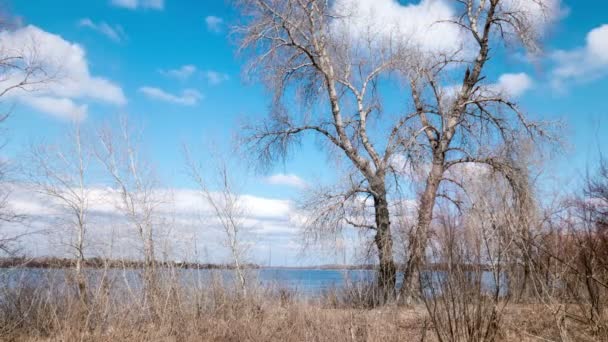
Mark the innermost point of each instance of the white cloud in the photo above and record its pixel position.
(514, 85)
(135, 4)
(584, 63)
(424, 24)
(290, 180)
(215, 77)
(597, 44)
(540, 14)
(509, 86)
(413, 25)
(182, 73)
(187, 223)
(188, 97)
(114, 32)
(214, 24)
(62, 108)
(65, 63)
(185, 72)
(187, 219)
(466, 173)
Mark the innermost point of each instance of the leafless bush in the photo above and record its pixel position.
(363, 294)
(580, 250)
(465, 292)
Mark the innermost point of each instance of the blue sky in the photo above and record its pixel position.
(155, 42)
(181, 79)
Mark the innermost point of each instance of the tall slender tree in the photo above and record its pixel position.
(61, 172)
(135, 190)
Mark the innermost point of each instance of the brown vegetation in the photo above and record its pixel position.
(211, 311)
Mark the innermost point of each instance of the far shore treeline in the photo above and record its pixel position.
(54, 262)
(100, 263)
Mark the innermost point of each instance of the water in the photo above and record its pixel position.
(306, 282)
(312, 281)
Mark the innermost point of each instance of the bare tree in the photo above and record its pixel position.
(61, 173)
(21, 70)
(473, 122)
(296, 46)
(135, 189)
(228, 208)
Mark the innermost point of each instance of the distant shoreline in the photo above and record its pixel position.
(99, 263)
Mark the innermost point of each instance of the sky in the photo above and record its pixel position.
(172, 67)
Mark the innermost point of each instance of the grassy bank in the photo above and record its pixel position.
(211, 310)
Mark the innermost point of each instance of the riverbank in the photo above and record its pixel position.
(50, 308)
(255, 319)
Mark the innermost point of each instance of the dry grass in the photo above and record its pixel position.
(211, 311)
(209, 314)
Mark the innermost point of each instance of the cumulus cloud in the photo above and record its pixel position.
(187, 71)
(188, 97)
(215, 77)
(585, 63)
(182, 73)
(290, 180)
(135, 4)
(63, 108)
(185, 222)
(186, 215)
(514, 85)
(509, 86)
(67, 66)
(414, 25)
(114, 32)
(540, 14)
(424, 24)
(214, 24)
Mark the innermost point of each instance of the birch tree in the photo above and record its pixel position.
(228, 208)
(61, 173)
(135, 189)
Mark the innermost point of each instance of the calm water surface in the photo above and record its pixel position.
(308, 282)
